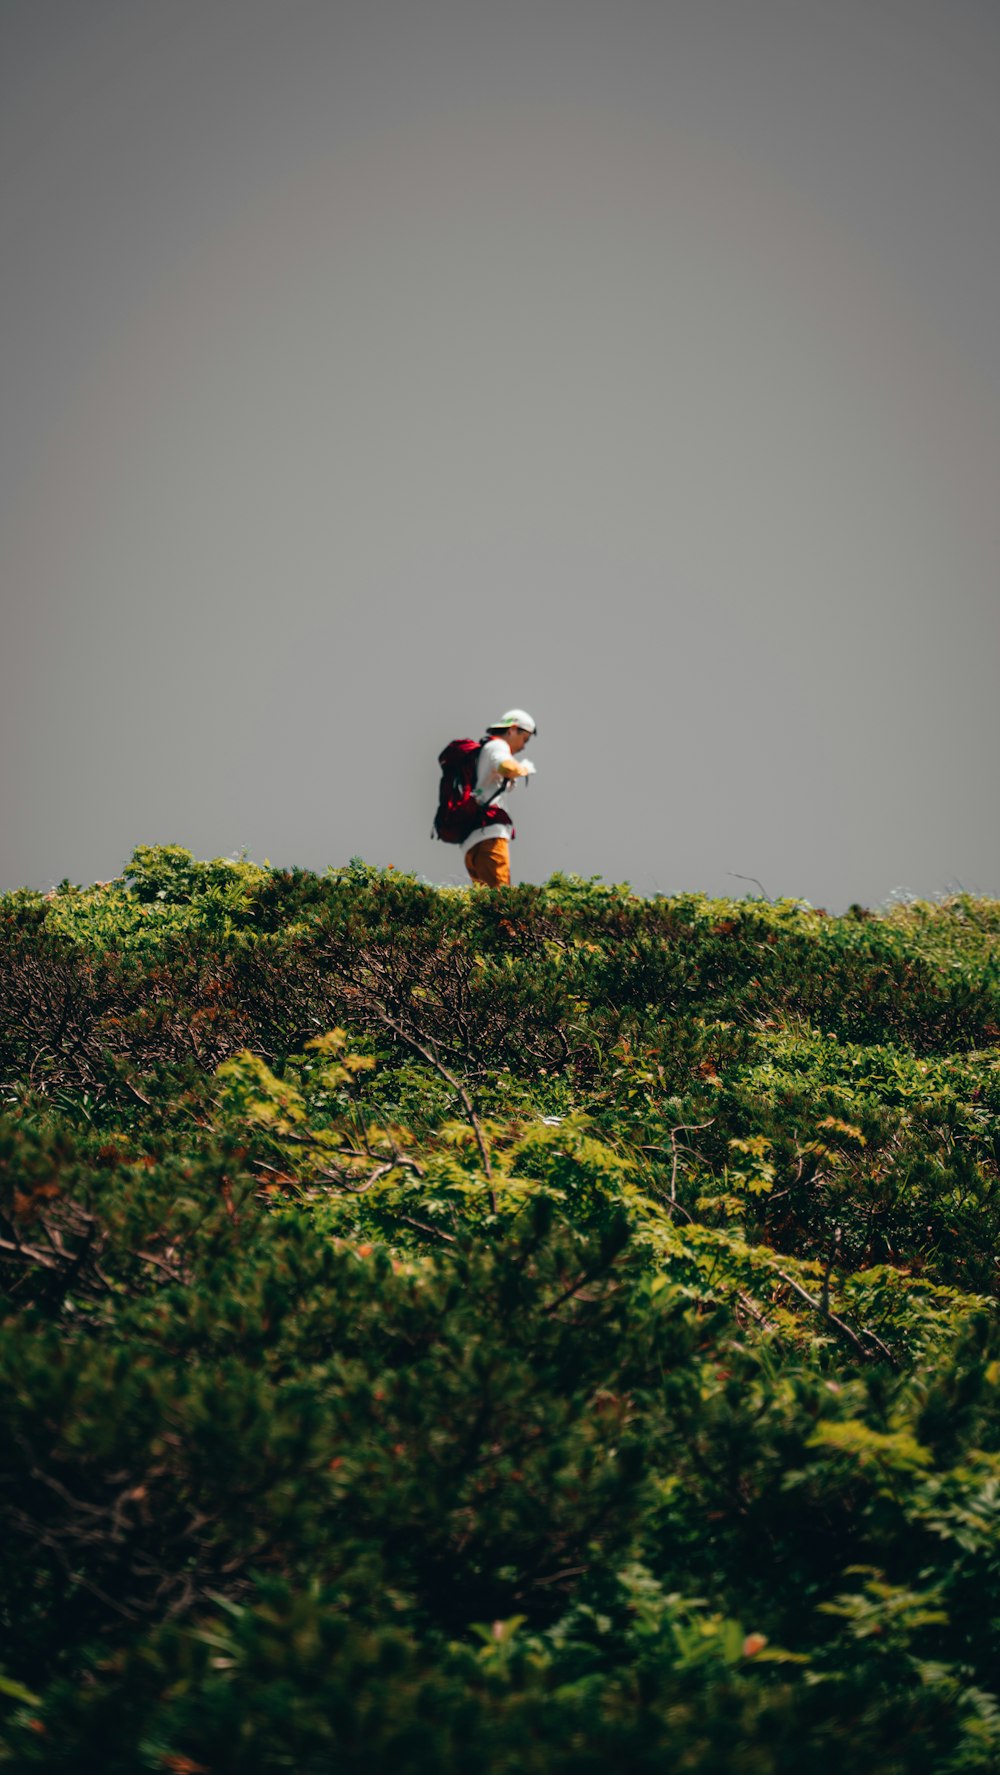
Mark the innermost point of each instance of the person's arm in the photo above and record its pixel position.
(509, 767)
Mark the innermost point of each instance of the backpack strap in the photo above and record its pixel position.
(497, 792)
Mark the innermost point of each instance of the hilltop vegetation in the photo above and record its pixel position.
(546, 1331)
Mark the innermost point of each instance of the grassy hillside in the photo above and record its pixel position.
(541, 1331)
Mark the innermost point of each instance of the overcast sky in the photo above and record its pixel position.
(369, 366)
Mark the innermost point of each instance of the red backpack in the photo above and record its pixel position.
(458, 811)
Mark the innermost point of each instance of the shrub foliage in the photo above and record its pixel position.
(543, 1330)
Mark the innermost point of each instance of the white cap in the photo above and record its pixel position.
(516, 718)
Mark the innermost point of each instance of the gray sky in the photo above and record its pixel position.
(368, 366)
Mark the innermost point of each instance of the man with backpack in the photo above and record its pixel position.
(474, 779)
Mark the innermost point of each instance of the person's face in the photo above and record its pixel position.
(517, 738)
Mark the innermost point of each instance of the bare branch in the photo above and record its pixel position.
(752, 878)
(435, 1232)
(456, 1085)
(852, 1337)
(824, 1299)
(675, 1149)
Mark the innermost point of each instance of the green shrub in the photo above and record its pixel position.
(589, 1360)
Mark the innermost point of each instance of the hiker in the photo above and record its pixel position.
(475, 775)
(487, 848)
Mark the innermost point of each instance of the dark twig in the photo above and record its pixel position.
(682, 1128)
(29, 1251)
(748, 1307)
(824, 1298)
(435, 1232)
(832, 1319)
(752, 878)
(675, 1149)
(136, 1094)
(456, 1085)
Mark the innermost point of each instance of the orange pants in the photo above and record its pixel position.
(488, 862)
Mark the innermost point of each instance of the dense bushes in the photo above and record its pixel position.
(591, 1361)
